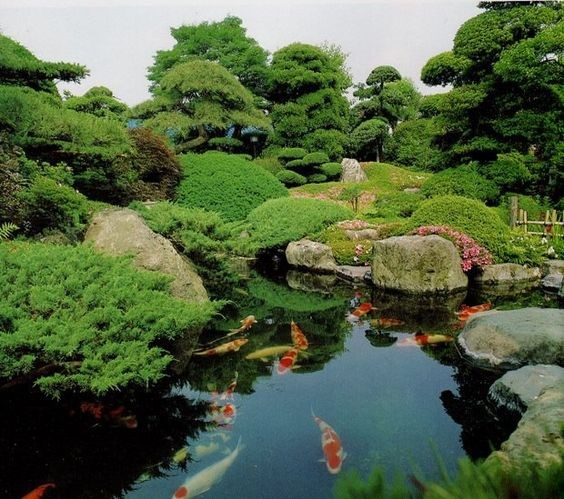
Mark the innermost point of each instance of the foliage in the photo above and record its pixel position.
(290, 178)
(332, 170)
(99, 101)
(225, 42)
(510, 171)
(290, 153)
(346, 252)
(18, 66)
(295, 164)
(332, 142)
(90, 322)
(315, 159)
(351, 193)
(317, 178)
(472, 254)
(462, 181)
(469, 216)
(226, 184)
(227, 144)
(396, 205)
(198, 234)
(201, 97)
(412, 145)
(535, 207)
(280, 221)
(269, 163)
(7, 229)
(367, 139)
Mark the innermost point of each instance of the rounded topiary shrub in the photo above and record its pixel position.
(465, 215)
(315, 158)
(291, 153)
(228, 144)
(295, 164)
(331, 170)
(226, 184)
(462, 181)
(290, 178)
(279, 221)
(317, 178)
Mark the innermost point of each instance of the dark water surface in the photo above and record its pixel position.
(392, 406)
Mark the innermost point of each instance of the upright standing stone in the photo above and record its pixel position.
(352, 171)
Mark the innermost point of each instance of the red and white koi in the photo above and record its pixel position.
(361, 310)
(465, 311)
(288, 361)
(224, 414)
(331, 445)
(421, 339)
(232, 346)
(298, 337)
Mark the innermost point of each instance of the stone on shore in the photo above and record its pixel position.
(310, 255)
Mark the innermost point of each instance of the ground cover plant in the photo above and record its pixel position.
(73, 320)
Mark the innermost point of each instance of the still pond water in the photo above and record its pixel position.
(393, 406)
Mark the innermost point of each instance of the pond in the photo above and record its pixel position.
(392, 403)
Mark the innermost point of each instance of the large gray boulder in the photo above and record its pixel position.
(515, 337)
(553, 267)
(310, 255)
(352, 171)
(123, 232)
(516, 390)
(507, 274)
(417, 264)
(537, 441)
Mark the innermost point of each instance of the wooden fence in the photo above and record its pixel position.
(551, 226)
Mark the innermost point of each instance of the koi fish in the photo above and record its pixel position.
(386, 322)
(465, 311)
(205, 479)
(116, 416)
(228, 393)
(331, 445)
(288, 361)
(180, 455)
(298, 337)
(364, 308)
(232, 346)
(224, 414)
(263, 353)
(38, 492)
(246, 324)
(421, 339)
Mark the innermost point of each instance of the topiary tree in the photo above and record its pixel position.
(331, 170)
(367, 139)
(290, 178)
(99, 101)
(226, 184)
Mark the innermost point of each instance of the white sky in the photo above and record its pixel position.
(117, 39)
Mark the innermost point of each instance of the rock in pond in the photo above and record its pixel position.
(353, 273)
(515, 337)
(553, 267)
(552, 282)
(123, 232)
(507, 275)
(517, 390)
(310, 255)
(417, 264)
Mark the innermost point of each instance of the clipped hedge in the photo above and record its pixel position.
(315, 158)
(291, 153)
(331, 170)
(280, 221)
(226, 184)
(317, 178)
(290, 178)
(295, 164)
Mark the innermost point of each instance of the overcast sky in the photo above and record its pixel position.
(117, 39)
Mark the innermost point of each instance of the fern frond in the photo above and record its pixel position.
(7, 229)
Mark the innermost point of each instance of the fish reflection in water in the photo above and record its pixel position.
(422, 339)
(380, 339)
(232, 346)
(264, 353)
(204, 480)
(361, 310)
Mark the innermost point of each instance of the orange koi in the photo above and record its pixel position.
(116, 416)
(331, 445)
(298, 337)
(420, 339)
(224, 414)
(465, 311)
(387, 322)
(38, 492)
(246, 324)
(364, 308)
(288, 361)
(232, 346)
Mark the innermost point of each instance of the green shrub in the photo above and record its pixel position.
(317, 178)
(226, 184)
(50, 205)
(315, 159)
(96, 322)
(290, 178)
(279, 221)
(396, 205)
(290, 153)
(348, 252)
(227, 144)
(462, 181)
(509, 171)
(331, 142)
(270, 164)
(332, 170)
(470, 216)
(535, 208)
(295, 164)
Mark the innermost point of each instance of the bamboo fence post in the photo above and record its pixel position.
(514, 213)
(525, 221)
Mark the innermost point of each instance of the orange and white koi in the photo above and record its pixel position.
(465, 311)
(204, 480)
(224, 414)
(246, 324)
(331, 445)
(228, 393)
(420, 339)
(288, 361)
(298, 337)
(38, 492)
(387, 322)
(232, 346)
(362, 309)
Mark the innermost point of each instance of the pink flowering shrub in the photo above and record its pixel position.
(472, 254)
(352, 224)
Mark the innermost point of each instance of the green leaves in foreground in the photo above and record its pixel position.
(74, 320)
